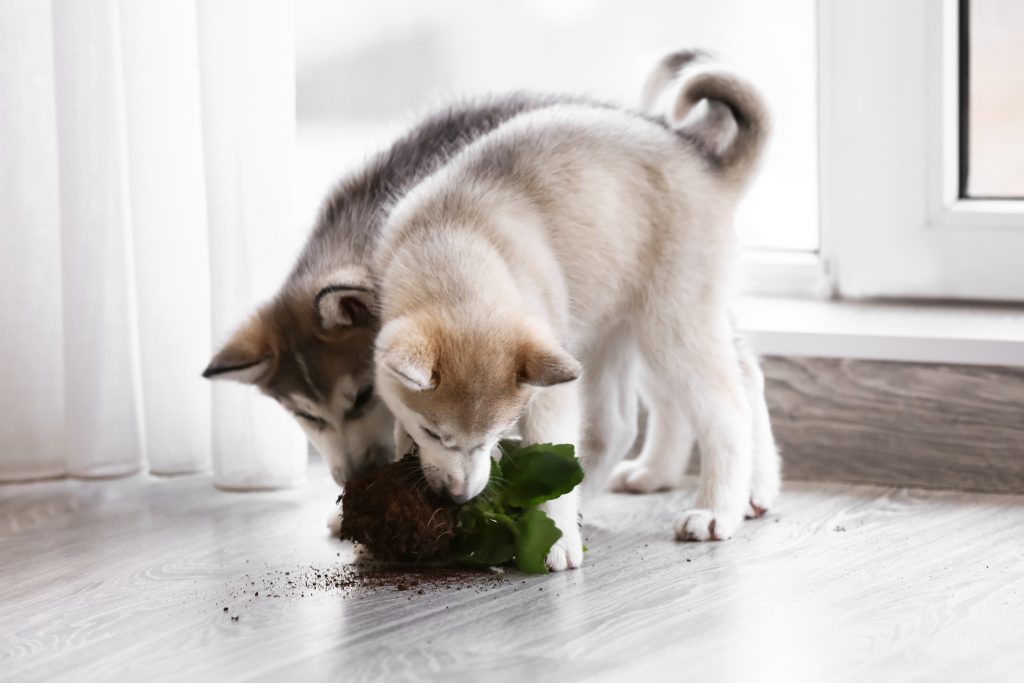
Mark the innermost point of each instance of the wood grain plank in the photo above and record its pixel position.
(900, 424)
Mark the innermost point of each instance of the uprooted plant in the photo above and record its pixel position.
(397, 517)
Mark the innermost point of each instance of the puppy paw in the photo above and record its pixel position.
(334, 521)
(631, 476)
(705, 525)
(754, 510)
(566, 553)
(758, 505)
(762, 497)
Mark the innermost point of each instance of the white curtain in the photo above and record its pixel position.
(145, 206)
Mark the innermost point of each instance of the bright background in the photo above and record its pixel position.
(365, 70)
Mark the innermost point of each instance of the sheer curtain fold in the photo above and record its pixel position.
(103, 426)
(31, 322)
(247, 69)
(160, 45)
(144, 208)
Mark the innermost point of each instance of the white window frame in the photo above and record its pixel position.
(892, 222)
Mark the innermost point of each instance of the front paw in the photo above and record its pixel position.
(706, 525)
(566, 553)
(632, 476)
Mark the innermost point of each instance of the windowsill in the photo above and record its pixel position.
(908, 332)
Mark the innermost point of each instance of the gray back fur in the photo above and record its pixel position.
(350, 218)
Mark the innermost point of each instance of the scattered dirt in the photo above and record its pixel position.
(404, 578)
(395, 515)
(407, 529)
(364, 578)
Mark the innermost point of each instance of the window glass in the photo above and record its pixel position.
(365, 67)
(994, 140)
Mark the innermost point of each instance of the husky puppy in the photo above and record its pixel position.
(566, 237)
(311, 346)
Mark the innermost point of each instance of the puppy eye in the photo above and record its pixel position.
(362, 398)
(431, 434)
(317, 422)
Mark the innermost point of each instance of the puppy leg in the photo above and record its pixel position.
(334, 521)
(667, 446)
(693, 364)
(554, 417)
(765, 479)
(723, 421)
(611, 403)
(339, 472)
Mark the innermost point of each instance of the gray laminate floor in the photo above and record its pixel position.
(127, 580)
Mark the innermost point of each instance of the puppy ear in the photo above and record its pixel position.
(345, 299)
(405, 351)
(543, 364)
(246, 357)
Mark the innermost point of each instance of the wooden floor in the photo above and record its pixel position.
(128, 580)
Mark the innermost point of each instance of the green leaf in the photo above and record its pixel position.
(506, 446)
(484, 539)
(496, 472)
(538, 473)
(490, 499)
(502, 524)
(537, 533)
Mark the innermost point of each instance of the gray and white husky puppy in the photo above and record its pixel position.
(566, 239)
(311, 346)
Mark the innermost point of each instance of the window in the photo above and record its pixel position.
(365, 68)
(895, 221)
(992, 104)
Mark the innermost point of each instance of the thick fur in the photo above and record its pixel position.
(713, 108)
(502, 274)
(730, 134)
(311, 346)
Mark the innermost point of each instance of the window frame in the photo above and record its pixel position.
(893, 223)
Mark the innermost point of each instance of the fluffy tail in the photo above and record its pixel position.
(718, 111)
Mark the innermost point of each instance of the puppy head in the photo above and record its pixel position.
(457, 389)
(311, 349)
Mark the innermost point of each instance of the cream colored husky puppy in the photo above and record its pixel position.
(555, 245)
(311, 346)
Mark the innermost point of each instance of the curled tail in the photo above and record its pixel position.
(718, 111)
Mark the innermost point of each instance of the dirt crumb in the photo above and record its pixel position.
(365, 577)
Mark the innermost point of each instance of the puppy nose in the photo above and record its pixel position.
(456, 487)
(457, 490)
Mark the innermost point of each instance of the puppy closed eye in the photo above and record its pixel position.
(317, 422)
(433, 435)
